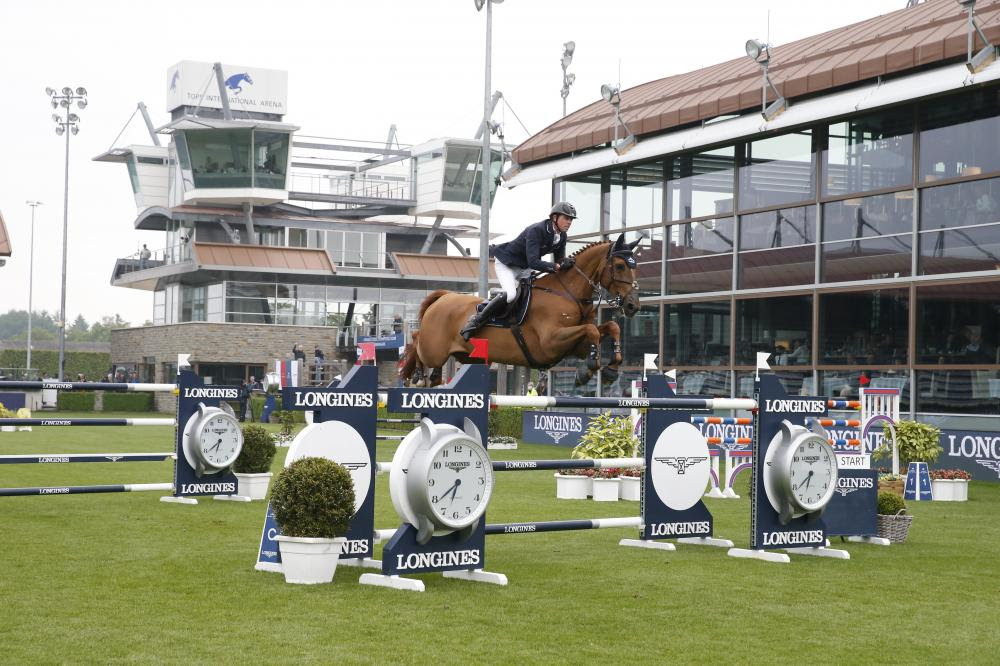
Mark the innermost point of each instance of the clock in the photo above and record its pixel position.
(441, 479)
(212, 440)
(800, 472)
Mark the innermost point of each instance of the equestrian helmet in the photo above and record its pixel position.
(563, 208)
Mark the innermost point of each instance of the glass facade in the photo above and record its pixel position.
(863, 251)
(233, 158)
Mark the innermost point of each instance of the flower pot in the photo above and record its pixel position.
(894, 528)
(949, 490)
(253, 486)
(8, 428)
(309, 561)
(572, 486)
(630, 487)
(606, 490)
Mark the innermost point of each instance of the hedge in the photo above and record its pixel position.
(384, 413)
(75, 402)
(128, 402)
(94, 365)
(506, 421)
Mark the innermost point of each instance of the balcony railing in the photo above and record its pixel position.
(175, 254)
(396, 188)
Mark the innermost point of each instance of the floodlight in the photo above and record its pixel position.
(49, 91)
(610, 94)
(67, 90)
(60, 130)
(82, 104)
(569, 48)
(73, 118)
(479, 4)
(570, 78)
(55, 104)
(81, 91)
(56, 118)
(755, 48)
(64, 103)
(75, 130)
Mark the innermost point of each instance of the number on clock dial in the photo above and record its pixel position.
(458, 482)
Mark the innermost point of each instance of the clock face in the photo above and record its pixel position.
(812, 472)
(459, 482)
(220, 441)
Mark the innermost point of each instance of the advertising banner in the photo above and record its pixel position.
(562, 428)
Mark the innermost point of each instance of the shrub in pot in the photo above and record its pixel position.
(253, 466)
(892, 523)
(313, 502)
(917, 442)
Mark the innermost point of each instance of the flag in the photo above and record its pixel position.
(649, 361)
(762, 363)
(366, 351)
(480, 348)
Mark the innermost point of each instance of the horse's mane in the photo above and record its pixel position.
(587, 247)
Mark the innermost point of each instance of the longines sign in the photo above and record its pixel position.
(562, 428)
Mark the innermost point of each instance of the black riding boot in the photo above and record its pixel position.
(477, 319)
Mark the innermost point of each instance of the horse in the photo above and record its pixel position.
(234, 81)
(559, 321)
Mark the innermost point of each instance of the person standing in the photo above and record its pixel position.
(144, 255)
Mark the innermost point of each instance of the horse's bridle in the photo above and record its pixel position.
(598, 285)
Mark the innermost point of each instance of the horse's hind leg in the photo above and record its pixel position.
(612, 330)
(434, 377)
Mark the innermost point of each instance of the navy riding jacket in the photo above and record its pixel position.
(527, 249)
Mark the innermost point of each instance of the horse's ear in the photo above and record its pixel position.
(620, 242)
(633, 244)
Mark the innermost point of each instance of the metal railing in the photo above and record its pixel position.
(351, 185)
(174, 254)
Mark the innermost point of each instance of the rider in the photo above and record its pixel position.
(514, 259)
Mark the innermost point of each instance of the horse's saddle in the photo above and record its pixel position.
(515, 313)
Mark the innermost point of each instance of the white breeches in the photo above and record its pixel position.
(509, 277)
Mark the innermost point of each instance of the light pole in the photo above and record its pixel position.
(31, 282)
(67, 125)
(568, 79)
(485, 182)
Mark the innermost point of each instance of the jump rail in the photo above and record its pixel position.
(533, 465)
(634, 403)
(55, 458)
(85, 386)
(544, 526)
(82, 490)
(88, 422)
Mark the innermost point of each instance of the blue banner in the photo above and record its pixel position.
(562, 428)
(394, 341)
(978, 453)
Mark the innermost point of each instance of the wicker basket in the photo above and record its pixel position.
(894, 528)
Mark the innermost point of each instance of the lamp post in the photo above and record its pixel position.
(31, 282)
(67, 124)
(568, 79)
(485, 181)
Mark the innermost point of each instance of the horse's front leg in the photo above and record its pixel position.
(584, 340)
(613, 330)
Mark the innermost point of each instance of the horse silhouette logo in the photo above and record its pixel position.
(234, 81)
(174, 79)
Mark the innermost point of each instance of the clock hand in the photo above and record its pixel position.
(216, 445)
(454, 489)
(451, 489)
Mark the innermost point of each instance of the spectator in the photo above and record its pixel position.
(297, 353)
(531, 390)
(144, 255)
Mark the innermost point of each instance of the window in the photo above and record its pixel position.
(192, 303)
(700, 184)
(220, 158)
(864, 328)
(960, 227)
(133, 176)
(700, 256)
(777, 248)
(869, 153)
(957, 324)
(960, 135)
(643, 195)
(777, 170)
(584, 193)
(781, 326)
(270, 153)
(696, 334)
(866, 239)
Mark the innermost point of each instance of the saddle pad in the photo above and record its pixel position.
(518, 313)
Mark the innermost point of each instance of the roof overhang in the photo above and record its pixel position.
(199, 123)
(123, 154)
(855, 100)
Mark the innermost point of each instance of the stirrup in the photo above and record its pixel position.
(470, 327)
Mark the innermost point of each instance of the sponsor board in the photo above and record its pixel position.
(562, 428)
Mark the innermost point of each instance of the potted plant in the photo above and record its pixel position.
(630, 479)
(892, 521)
(950, 485)
(313, 502)
(915, 441)
(574, 483)
(607, 436)
(253, 466)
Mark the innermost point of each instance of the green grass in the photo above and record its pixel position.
(125, 578)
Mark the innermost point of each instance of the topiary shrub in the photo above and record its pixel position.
(607, 436)
(75, 402)
(128, 402)
(889, 504)
(258, 451)
(313, 497)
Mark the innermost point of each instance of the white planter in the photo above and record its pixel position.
(606, 490)
(253, 486)
(572, 486)
(949, 490)
(8, 428)
(630, 486)
(309, 561)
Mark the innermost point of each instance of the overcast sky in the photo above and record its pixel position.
(354, 69)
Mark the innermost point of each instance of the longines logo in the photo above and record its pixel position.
(993, 465)
(796, 406)
(457, 466)
(555, 435)
(351, 466)
(847, 485)
(324, 399)
(415, 401)
(681, 463)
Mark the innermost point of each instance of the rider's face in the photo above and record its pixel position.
(563, 223)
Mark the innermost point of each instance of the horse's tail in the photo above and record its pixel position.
(429, 301)
(409, 361)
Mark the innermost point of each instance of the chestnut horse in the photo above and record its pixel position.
(559, 322)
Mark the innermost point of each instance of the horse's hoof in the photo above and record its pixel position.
(609, 375)
(583, 376)
(593, 363)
